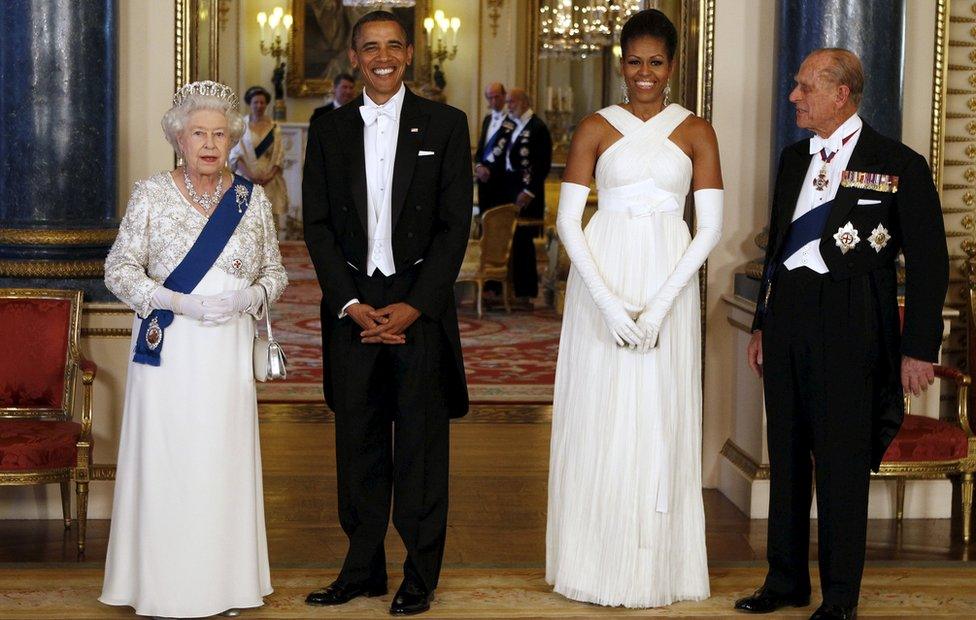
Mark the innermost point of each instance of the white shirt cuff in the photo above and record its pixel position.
(528, 193)
(342, 313)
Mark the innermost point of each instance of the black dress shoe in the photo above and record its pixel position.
(410, 599)
(763, 601)
(338, 593)
(834, 612)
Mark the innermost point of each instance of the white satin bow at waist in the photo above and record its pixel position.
(641, 199)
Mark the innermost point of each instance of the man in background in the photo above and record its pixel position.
(343, 91)
(489, 160)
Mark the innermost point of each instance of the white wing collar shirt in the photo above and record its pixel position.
(838, 152)
(382, 126)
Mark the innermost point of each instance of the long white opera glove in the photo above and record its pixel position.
(708, 213)
(204, 308)
(569, 223)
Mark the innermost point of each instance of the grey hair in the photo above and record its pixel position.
(175, 120)
(844, 69)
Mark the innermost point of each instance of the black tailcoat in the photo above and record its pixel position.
(392, 403)
(493, 192)
(913, 218)
(431, 214)
(321, 111)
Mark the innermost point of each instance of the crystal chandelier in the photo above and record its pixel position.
(582, 28)
(380, 4)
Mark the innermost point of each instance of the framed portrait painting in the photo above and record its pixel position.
(320, 43)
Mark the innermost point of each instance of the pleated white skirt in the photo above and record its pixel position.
(626, 522)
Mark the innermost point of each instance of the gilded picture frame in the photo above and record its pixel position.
(314, 60)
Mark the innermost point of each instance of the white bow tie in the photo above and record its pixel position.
(831, 144)
(371, 113)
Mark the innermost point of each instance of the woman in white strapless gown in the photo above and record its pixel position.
(626, 521)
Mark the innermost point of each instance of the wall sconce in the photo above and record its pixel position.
(278, 23)
(437, 50)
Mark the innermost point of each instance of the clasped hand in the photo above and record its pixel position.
(384, 325)
(633, 326)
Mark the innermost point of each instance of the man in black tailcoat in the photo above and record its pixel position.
(826, 336)
(527, 163)
(343, 91)
(387, 210)
(489, 155)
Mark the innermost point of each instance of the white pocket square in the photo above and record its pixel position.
(867, 201)
(425, 153)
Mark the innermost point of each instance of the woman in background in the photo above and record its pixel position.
(260, 155)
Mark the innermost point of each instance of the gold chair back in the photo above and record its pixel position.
(498, 229)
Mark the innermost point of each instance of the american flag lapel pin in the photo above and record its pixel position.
(414, 129)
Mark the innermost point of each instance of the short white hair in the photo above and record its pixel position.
(176, 118)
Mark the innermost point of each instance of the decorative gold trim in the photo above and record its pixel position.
(103, 471)
(494, 13)
(98, 236)
(34, 477)
(52, 269)
(477, 413)
(939, 83)
(74, 325)
(106, 332)
(740, 459)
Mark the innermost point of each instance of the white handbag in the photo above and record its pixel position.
(269, 359)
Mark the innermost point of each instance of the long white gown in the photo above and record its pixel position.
(626, 522)
(187, 536)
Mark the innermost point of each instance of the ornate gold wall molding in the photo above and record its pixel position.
(52, 269)
(106, 332)
(81, 236)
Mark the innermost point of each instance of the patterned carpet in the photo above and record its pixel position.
(509, 358)
(502, 592)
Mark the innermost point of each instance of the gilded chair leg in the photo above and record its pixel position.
(899, 500)
(66, 502)
(82, 489)
(966, 491)
(478, 284)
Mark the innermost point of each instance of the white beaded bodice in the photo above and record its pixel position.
(160, 226)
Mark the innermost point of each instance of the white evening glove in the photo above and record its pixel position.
(708, 213)
(250, 299)
(204, 308)
(569, 223)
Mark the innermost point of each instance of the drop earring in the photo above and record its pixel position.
(667, 95)
(623, 87)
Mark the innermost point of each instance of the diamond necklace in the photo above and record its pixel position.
(207, 201)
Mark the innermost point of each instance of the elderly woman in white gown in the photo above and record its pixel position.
(197, 259)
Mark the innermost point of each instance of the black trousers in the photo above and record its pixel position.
(392, 441)
(820, 359)
(525, 273)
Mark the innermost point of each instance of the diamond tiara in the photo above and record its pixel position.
(207, 88)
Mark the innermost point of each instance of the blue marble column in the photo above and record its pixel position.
(58, 117)
(872, 29)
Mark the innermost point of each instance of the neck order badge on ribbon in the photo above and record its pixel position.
(194, 266)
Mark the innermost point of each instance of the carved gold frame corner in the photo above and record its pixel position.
(187, 58)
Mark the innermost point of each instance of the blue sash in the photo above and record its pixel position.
(805, 229)
(492, 141)
(197, 262)
(265, 144)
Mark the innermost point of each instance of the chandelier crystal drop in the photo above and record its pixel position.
(380, 4)
(582, 28)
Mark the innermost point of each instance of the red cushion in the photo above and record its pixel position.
(926, 439)
(34, 333)
(38, 444)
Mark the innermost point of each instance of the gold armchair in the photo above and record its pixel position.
(40, 443)
(487, 259)
(930, 449)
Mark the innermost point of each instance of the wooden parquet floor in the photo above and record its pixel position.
(496, 542)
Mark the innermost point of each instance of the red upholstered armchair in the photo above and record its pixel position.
(928, 448)
(40, 361)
